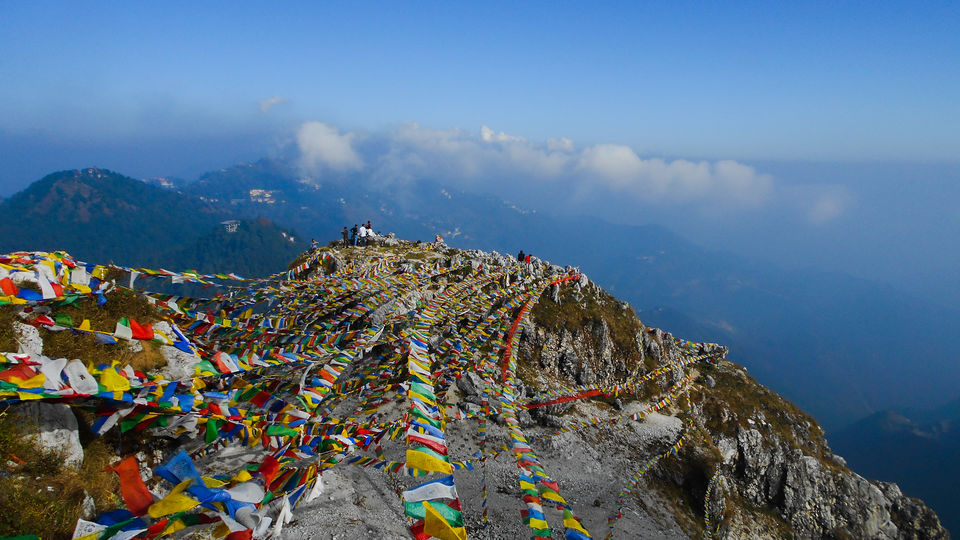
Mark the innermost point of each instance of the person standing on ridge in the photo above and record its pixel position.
(363, 234)
(354, 237)
(346, 236)
(369, 226)
(520, 256)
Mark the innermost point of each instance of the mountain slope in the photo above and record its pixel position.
(841, 347)
(100, 215)
(410, 389)
(104, 216)
(256, 248)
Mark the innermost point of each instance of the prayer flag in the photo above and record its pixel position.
(135, 494)
(435, 524)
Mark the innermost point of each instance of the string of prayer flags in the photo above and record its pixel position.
(305, 369)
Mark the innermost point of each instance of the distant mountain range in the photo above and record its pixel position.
(100, 216)
(841, 348)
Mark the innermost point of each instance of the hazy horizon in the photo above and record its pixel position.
(818, 136)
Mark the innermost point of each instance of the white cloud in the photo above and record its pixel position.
(742, 182)
(322, 145)
(271, 102)
(828, 207)
(464, 155)
(491, 157)
(488, 135)
(561, 144)
(679, 180)
(616, 163)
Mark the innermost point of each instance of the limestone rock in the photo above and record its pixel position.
(28, 338)
(180, 364)
(56, 429)
(470, 384)
(89, 507)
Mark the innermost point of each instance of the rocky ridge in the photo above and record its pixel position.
(770, 468)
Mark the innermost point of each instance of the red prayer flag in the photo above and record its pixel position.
(20, 371)
(141, 332)
(135, 494)
(9, 289)
(416, 530)
(260, 399)
(269, 468)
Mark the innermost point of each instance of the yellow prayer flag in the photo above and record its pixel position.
(81, 288)
(426, 462)
(537, 523)
(221, 530)
(113, 381)
(213, 482)
(175, 502)
(33, 382)
(572, 523)
(552, 496)
(176, 526)
(436, 526)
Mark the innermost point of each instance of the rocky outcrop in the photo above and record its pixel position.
(54, 427)
(815, 499)
(777, 476)
(765, 463)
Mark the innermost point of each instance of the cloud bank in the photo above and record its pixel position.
(498, 161)
(322, 146)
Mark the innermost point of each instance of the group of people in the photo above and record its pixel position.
(522, 257)
(359, 235)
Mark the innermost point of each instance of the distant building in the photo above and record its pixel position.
(266, 196)
(230, 225)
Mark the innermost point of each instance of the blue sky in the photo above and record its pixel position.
(761, 117)
(855, 81)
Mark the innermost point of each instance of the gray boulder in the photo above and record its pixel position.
(55, 429)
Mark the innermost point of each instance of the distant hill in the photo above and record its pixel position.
(255, 248)
(270, 189)
(101, 216)
(921, 453)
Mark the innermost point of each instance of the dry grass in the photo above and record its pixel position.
(69, 345)
(8, 337)
(38, 495)
(738, 393)
(84, 346)
(591, 311)
(149, 359)
(120, 303)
